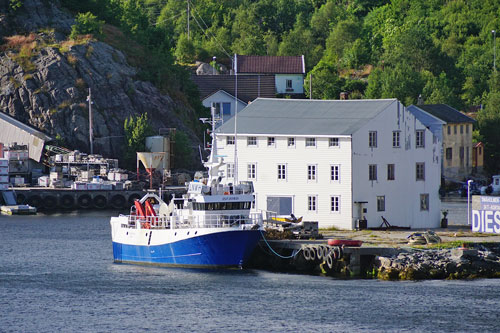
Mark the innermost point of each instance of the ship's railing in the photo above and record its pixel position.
(200, 221)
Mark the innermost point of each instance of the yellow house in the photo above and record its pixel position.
(457, 148)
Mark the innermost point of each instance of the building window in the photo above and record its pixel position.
(424, 201)
(335, 172)
(454, 129)
(230, 170)
(251, 171)
(466, 128)
(270, 141)
(335, 203)
(372, 139)
(381, 203)
(310, 142)
(311, 203)
(449, 129)
(390, 171)
(281, 171)
(420, 139)
(461, 129)
(291, 142)
(420, 171)
(395, 139)
(229, 140)
(372, 172)
(333, 142)
(289, 84)
(311, 172)
(448, 153)
(251, 141)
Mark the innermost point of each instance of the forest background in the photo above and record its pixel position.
(441, 50)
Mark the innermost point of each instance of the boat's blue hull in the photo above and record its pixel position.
(220, 249)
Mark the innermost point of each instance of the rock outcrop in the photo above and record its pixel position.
(456, 263)
(45, 81)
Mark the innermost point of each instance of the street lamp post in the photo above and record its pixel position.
(468, 201)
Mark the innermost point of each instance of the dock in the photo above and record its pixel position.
(49, 199)
(18, 210)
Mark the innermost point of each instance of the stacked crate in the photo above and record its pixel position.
(4, 174)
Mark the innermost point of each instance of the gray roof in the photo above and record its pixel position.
(305, 117)
(446, 113)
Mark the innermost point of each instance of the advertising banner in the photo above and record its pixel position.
(486, 214)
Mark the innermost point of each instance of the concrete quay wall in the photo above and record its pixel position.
(49, 199)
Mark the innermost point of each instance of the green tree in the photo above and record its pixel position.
(136, 130)
(183, 152)
(185, 50)
(489, 123)
(86, 23)
(326, 83)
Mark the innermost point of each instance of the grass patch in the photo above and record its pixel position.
(52, 111)
(64, 104)
(68, 44)
(89, 52)
(17, 42)
(444, 245)
(14, 82)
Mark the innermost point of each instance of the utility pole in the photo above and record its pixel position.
(91, 134)
(188, 18)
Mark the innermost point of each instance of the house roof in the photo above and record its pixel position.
(305, 117)
(249, 86)
(446, 113)
(270, 64)
(225, 93)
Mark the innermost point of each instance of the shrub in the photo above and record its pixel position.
(86, 24)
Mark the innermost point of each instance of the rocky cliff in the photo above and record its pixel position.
(45, 78)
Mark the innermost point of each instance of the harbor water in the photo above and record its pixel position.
(57, 274)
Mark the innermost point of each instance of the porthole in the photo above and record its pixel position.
(127, 233)
(175, 234)
(188, 232)
(196, 232)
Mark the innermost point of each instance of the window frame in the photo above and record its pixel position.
(281, 172)
(420, 171)
(335, 174)
(380, 203)
(310, 142)
(312, 203)
(312, 172)
(335, 203)
(230, 140)
(271, 141)
(372, 139)
(391, 171)
(230, 170)
(372, 172)
(396, 139)
(420, 139)
(251, 141)
(252, 171)
(333, 142)
(424, 202)
(292, 140)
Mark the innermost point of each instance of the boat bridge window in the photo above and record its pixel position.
(221, 205)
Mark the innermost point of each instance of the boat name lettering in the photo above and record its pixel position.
(226, 198)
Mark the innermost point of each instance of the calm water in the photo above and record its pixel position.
(57, 274)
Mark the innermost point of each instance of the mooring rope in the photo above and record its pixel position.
(276, 253)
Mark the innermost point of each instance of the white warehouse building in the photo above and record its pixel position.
(337, 161)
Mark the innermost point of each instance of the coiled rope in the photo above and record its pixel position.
(276, 253)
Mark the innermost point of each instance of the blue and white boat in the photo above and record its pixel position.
(210, 226)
